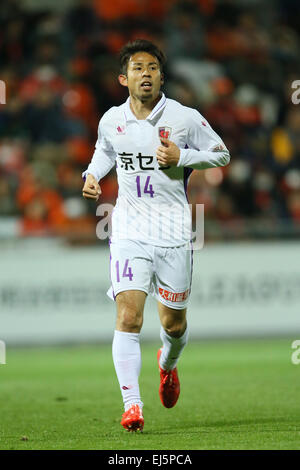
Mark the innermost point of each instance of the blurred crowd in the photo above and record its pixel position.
(233, 60)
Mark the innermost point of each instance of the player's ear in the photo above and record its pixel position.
(123, 80)
(162, 79)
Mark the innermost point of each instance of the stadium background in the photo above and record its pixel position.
(233, 60)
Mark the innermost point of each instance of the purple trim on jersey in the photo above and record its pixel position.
(192, 263)
(109, 243)
(186, 174)
(161, 106)
(130, 116)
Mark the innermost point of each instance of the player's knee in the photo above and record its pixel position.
(129, 320)
(175, 329)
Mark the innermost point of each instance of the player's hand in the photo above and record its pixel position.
(168, 153)
(91, 188)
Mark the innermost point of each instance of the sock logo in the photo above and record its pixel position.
(126, 388)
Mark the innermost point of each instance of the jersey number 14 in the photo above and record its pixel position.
(148, 188)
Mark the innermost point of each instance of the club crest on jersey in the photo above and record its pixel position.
(120, 130)
(164, 132)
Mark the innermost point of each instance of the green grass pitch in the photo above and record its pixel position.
(234, 395)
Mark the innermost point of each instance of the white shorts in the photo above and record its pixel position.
(166, 273)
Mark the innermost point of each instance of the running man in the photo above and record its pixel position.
(155, 143)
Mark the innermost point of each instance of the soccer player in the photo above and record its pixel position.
(155, 143)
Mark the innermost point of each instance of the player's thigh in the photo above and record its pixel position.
(172, 320)
(130, 266)
(173, 276)
(130, 309)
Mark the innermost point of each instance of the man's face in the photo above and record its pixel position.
(144, 77)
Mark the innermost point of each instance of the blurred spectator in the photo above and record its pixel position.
(285, 141)
(184, 31)
(7, 201)
(45, 121)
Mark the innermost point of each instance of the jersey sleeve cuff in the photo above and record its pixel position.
(182, 157)
(87, 172)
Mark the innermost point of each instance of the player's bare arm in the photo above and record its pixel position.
(91, 188)
(168, 153)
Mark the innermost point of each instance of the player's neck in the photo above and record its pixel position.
(142, 109)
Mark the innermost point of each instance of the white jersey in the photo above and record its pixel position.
(152, 204)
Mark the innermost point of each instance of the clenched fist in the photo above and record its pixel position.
(168, 153)
(91, 188)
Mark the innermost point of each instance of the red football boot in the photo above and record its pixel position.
(132, 419)
(169, 388)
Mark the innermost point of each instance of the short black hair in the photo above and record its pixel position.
(139, 45)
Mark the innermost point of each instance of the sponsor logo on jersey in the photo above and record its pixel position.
(164, 132)
(173, 296)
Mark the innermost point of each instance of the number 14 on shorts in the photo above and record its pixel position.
(127, 272)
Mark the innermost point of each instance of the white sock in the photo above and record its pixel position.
(172, 349)
(126, 353)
